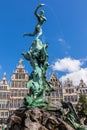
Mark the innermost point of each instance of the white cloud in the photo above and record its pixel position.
(67, 65)
(76, 76)
(61, 40)
(73, 68)
(63, 43)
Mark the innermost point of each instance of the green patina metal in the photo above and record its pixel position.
(38, 86)
(72, 118)
(41, 19)
(38, 57)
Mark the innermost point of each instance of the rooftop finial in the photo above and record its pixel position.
(4, 77)
(20, 61)
(4, 74)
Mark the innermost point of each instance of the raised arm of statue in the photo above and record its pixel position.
(41, 19)
(35, 12)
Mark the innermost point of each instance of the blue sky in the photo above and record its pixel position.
(65, 31)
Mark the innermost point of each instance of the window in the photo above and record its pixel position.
(0, 95)
(75, 98)
(12, 84)
(20, 76)
(72, 98)
(69, 98)
(51, 79)
(8, 95)
(54, 80)
(83, 91)
(60, 95)
(4, 87)
(80, 91)
(19, 84)
(68, 85)
(70, 90)
(59, 85)
(23, 76)
(0, 106)
(65, 98)
(56, 94)
(16, 76)
(20, 70)
(53, 94)
(23, 84)
(3, 105)
(6, 113)
(16, 84)
(82, 85)
(2, 114)
(66, 90)
(56, 84)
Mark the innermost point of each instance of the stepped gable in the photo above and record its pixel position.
(18, 88)
(57, 94)
(4, 99)
(82, 88)
(54, 81)
(70, 92)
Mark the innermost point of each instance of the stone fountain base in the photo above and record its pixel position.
(36, 119)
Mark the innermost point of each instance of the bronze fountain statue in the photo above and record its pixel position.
(38, 85)
(35, 115)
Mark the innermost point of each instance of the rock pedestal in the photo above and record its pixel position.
(36, 119)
